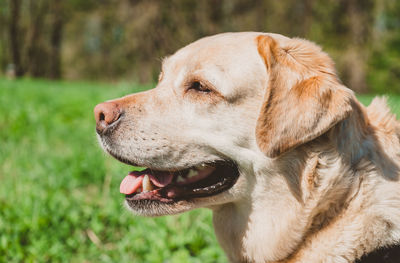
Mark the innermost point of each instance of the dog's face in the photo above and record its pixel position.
(209, 120)
(200, 119)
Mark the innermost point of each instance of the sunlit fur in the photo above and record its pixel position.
(319, 171)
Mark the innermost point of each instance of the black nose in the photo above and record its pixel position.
(106, 113)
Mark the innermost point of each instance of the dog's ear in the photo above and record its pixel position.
(303, 99)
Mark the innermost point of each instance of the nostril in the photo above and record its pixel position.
(102, 117)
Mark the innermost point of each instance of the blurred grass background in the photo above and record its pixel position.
(59, 198)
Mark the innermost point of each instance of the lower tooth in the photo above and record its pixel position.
(146, 184)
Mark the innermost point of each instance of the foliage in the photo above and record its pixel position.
(59, 198)
(125, 39)
(384, 65)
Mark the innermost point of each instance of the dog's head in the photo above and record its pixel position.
(224, 107)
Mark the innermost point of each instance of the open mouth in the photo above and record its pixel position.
(167, 186)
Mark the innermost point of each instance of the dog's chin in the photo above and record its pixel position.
(153, 208)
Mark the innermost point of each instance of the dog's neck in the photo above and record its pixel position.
(283, 209)
(299, 193)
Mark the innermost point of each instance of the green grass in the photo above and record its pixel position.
(59, 193)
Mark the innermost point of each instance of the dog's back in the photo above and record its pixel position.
(380, 116)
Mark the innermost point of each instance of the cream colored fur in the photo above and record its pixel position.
(330, 192)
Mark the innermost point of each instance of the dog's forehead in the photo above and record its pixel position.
(217, 50)
(230, 56)
(221, 48)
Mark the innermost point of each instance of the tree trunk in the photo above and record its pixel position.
(56, 39)
(15, 7)
(35, 55)
(356, 55)
(307, 17)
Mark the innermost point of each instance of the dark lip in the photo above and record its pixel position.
(222, 179)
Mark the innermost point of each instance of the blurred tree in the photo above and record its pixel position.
(384, 65)
(56, 34)
(359, 27)
(114, 39)
(14, 35)
(4, 34)
(35, 48)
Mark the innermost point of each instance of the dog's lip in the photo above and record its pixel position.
(165, 169)
(159, 169)
(222, 177)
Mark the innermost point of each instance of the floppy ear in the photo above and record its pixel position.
(303, 99)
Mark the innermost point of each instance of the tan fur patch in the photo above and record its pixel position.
(299, 105)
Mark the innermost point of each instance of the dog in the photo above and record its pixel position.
(258, 128)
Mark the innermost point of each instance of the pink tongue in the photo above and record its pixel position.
(133, 181)
(130, 184)
(161, 179)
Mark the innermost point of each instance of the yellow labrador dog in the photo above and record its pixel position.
(258, 128)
